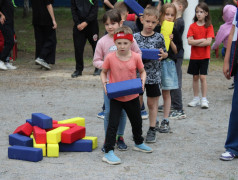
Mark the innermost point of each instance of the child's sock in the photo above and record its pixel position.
(196, 97)
(152, 128)
(204, 98)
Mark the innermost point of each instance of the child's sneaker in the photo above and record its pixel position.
(164, 126)
(2, 65)
(151, 136)
(111, 158)
(204, 104)
(157, 126)
(10, 66)
(227, 156)
(144, 114)
(121, 144)
(194, 102)
(177, 114)
(101, 115)
(142, 148)
(161, 108)
(231, 86)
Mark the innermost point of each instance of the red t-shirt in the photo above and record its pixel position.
(123, 70)
(200, 32)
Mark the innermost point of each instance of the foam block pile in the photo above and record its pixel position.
(41, 136)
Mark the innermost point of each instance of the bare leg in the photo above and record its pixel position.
(167, 102)
(203, 80)
(195, 85)
(152, 103)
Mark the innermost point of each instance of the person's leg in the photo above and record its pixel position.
(195, 85)
(167, 102)
(38, 40)
(152, 103)
(79, 39)
(106, 112)
(231, 144)
(203, 80)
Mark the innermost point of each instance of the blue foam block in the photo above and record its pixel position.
(81, 145)
(41, 120)
(25, 153)
(21, 140)
(30, 122)
(136, 8)
(150, 54)
(124, 88)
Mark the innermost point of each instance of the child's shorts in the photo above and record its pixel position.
(169, 78)
(152, 90)
(197, 67)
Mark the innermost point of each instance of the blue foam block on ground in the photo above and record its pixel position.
(41, 120)
(30, 122)
(151, 54)
(21, 140)
(124, 88)
(136, 8)
(25, 153)
(81, 145)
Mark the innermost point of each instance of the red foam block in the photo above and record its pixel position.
(54, 122)
(25, 129)
(39, 135)
(71, 135)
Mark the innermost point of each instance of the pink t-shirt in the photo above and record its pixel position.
(106, 45)
(123, 70)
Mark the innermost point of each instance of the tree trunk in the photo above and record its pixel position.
(26, 8)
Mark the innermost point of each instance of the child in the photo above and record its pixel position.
(148, 39)
(122, 65)
(85, 28)
(112, 21)
(200, 36)
(169, 77)
(6, 27)
(231, 144)
(44, 23)
(176, 94)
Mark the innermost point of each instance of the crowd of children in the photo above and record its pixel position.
(118, 57)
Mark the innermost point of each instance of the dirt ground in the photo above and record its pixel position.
(190, 151)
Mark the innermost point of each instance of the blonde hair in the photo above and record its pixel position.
(184, 3)
(121, 7)
(151, 11)
(163, 11)
(123, 29)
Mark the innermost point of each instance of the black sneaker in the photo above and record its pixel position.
(121, 144)
(161, 108)
(164, 126)
(231, 86)
(151, 136)
(97, 72)
(157, 126)
(177, 114)
(76, 74)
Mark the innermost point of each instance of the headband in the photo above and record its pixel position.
(123, 36)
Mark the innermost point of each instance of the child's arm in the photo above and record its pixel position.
(206, 42)
(107, 2)
(103, 76)
(172, 45)
(52, 15)
(226, 71)
(2, 19)
(98, 56)
(143, 77)
(194, 42)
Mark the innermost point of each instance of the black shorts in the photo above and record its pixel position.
(198, 67)
(152, 90)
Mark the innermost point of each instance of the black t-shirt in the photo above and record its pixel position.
(179, 26)
(112, 2)
(7, 8)
(40, 13)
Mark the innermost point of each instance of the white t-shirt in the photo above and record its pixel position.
(234, 23)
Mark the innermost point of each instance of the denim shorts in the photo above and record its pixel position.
(169, 78)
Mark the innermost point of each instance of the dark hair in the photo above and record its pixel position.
(113, 14)
(205, 8)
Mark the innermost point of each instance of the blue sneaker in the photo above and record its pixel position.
(144, 114)
(142, 148)
(101, 115)
(111, 158)
(121, 145)
(227, 156)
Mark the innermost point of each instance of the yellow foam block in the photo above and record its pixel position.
(78, 120)
(94, 140)
(166, 30)
(54, 136)
(53, 150)
(42, 146)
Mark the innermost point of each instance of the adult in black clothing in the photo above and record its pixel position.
(109, 4)
(44, 23)
(7, 28)
(85, 28)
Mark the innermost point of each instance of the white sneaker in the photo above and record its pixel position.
(10, 66)
(42, 63)
(2, 65)
(194, 102)
(204, 104)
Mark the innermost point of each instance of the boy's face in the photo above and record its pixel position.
(123, 46)
(149, 23)
(111, 27)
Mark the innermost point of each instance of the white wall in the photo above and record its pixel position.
(188, 19)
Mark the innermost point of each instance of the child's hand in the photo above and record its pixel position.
(2, 19)
(162, 54)
(171, 36)
(105, 88)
